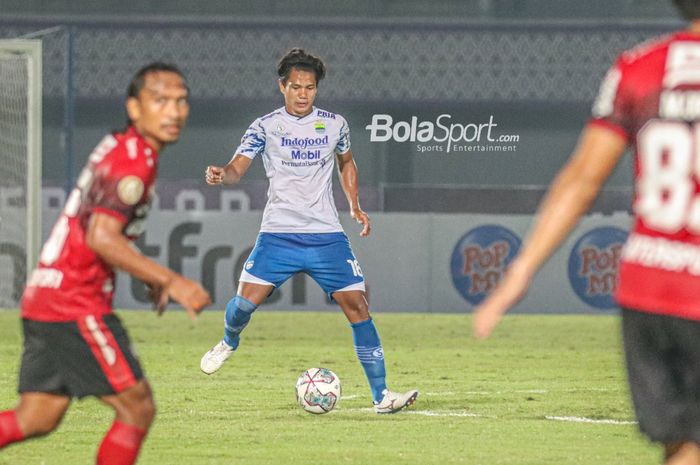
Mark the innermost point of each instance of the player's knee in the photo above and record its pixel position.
(39, 417)
(36, 425)
(136, 406)
(356, 311)
(140, 413)
(147, 411)
(144, 409)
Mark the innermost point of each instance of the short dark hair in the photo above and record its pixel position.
(690, 9)
(299, 59)
(139, 79)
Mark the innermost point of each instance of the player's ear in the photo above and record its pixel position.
(281, 84)
(133, 108)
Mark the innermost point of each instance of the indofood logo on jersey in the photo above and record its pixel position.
(593, 265)
(304, 142)
(480, 258)
(303, 148)
(442, 135)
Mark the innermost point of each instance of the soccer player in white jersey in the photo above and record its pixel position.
(300, 231)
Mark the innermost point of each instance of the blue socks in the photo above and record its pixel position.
(238, 313)
(368, 347)
(369, 351)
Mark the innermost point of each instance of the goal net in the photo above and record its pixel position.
(20, 164)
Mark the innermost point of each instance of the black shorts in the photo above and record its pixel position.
(88, 357)
(663, 365)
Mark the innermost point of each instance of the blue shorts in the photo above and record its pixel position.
(326, 257)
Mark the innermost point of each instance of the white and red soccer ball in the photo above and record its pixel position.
(318, 390)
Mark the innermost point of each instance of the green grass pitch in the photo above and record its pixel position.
(489, 402)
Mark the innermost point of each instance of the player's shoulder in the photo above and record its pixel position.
(125, 152)
(325, 117)
(651, 49)
(325, 114)
(270, 116)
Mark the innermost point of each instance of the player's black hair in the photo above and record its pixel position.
(690, 9)
(299, 59)
(139, 79)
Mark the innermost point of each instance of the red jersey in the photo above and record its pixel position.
(71, 281)
(652, 98)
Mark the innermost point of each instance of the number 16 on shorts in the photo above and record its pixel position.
(356, 270)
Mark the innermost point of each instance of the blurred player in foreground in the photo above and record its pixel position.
(649, 100)
(300, 231)
(74, 346)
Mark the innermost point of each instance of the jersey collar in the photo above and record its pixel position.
(132, 132)
(298, 118)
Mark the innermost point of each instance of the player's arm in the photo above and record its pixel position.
(229, 174)
(348, 179)
(105, 237)
(569, 197)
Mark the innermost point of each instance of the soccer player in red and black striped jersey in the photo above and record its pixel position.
(650, 101)
(74, 346)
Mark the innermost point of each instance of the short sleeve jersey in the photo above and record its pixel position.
(71, 281)
(299, 156)
(651, 97)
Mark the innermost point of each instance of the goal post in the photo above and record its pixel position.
(20, 164)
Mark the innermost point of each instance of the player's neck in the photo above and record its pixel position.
(154, 143)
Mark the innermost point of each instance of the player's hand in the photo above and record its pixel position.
(362, 218)
(214, 175)
(155, 295)
(187, 293)
(509, 292)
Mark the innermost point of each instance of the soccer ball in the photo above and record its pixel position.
(318, 390)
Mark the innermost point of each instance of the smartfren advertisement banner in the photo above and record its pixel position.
(411, 262)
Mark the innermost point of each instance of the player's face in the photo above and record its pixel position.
(299, 92)
(160, 111)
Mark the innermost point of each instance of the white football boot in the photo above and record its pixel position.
(215, 357)
(392, 402)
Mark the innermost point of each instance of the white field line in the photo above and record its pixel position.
(602, 421)
(426, 413)
(431, 413)
(490, 393)
(535, 391)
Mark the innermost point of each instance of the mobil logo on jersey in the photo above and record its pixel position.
(306, 154)
(479, 259)
(593, 265)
